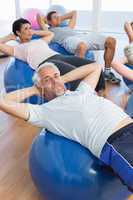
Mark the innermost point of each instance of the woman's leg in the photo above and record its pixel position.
(73, 60)
(77, 62)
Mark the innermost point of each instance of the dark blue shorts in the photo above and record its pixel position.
(118, 154)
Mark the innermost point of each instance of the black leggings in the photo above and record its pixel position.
(67, 63)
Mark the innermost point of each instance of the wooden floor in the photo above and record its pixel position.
(15, 140)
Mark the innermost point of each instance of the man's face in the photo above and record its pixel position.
(51, 83)
(25, 32)
(55, 19)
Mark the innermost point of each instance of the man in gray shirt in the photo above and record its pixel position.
(77, 43)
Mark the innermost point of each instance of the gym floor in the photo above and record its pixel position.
(15, 140)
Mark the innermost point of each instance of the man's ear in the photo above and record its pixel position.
(38, 84)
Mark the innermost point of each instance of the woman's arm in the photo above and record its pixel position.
(4, 48)
(42, 22)
(46, 35)
(119, 66)
(10, 103)
(7, 38)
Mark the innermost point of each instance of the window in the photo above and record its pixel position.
(40, 4)
(114, 5)
(74, 4)
(7, 10)
(114, 14)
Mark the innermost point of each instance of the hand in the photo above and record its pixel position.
(12, 36)
(37, 90)
(33, 32)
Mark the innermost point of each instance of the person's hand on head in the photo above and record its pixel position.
(34, 32)
(45, 19)
(12, 36)
(37, 90)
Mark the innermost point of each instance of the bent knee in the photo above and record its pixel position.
(82, 46)
(110, 42)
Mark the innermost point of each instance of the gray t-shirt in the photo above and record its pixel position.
(81, 116)
(61, 33)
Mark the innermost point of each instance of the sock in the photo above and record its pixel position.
(107, 70)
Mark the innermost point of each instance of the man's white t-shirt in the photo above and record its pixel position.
(81, 116)
(33, 52)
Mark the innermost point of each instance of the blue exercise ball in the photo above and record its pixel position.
(62, 169)
(128, 82)
(18, 75)
(58, 48)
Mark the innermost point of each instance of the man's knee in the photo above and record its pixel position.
(82, 46)
(110, 42)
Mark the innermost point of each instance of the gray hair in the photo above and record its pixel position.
(36, 77)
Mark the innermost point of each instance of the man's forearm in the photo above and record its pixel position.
(10, 103)
(69, 15)
(79, 73)
(19, 95)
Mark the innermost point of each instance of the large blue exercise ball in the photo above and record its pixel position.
(18, 75)
(62, 169)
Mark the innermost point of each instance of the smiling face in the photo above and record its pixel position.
(51, 82)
